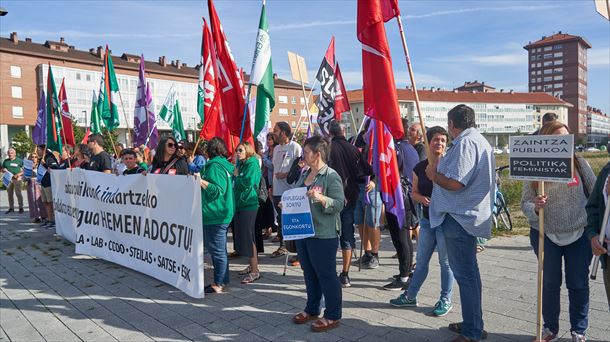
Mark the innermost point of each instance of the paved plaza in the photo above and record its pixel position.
(47, 293)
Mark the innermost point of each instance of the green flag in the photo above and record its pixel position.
(53, 115)
(262, 76)
(170, 113)
(96, 122)
(109, 94)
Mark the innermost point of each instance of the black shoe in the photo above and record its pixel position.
(372, 263)
(21, 211)
(344, 279)
(365, 258)
(396, 285)
(9, 211)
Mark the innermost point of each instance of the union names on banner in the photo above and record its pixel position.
(151, 224)
(542, 158)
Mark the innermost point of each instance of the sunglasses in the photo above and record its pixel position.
(181, 147)
(170, 145)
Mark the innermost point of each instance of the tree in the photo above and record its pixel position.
(108, 143)
(23, 144)
(79, 132)
(501, 141)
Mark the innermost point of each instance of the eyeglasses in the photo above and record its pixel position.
(170, 145)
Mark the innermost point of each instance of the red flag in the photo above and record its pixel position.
(341, 101)
(231, 83)
(67, 135)
(379, 87)
(86, 137)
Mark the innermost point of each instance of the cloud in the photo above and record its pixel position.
(599, 57)
(497, 59)
(353, 79)
(286, 27)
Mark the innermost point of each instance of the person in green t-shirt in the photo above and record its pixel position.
(14, 165)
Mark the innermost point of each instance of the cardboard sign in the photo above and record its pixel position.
(296, 215)
(28, 166)
(542, 158)
(6, 178)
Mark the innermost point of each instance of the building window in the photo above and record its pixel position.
(533, 73)
(533, 58)
(293, 124)
(548, 71)
(558, 78)
(539, 65)
(533, 65)
(559, 62)
(558, 54)
(548, 79)
(538, 50)
(557, 47)
(88, 77)
(532, 88)
(18, 112)
(78, 76)
(283, 111)
(557, 85)
(548, 48)
(282, 99)
(303, 112)
(294, 112)
(539, 80)
(557, 70)
(533, 80)
(548, 63)
(538, 73)
(293, 100)
(16, 92)
(302, 100)
(548, 55)
(15, 71)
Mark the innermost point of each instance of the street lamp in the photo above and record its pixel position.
(84, 111)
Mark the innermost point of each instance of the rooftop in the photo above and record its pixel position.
(469, 97)
(557, 38)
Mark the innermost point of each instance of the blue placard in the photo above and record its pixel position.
(297, 222)
(28, 165)
(6, 178)
(40, 173)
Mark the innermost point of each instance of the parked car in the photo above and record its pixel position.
(592, 149)
(580, 148)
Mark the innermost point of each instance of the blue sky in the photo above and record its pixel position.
(450, 42)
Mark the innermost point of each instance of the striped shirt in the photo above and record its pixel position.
(470, 161)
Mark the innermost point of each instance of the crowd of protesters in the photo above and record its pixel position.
(448, 189)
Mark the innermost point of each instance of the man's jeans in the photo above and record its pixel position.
(215, 239)
(577, 257)
(462, 253)
(428, 240)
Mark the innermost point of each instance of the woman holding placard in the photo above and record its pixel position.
(38, 212)
(564, 242)
(318, 254)
(247, 181)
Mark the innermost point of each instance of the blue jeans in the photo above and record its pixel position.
(577, 257)
(347, 238)
(462, 253)
(373, 210)
(429, 239)
(318, 259)
(215, 239)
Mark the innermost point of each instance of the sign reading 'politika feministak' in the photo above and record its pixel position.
(542, 158)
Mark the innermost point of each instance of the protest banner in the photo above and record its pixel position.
(296, 215)
(542, 158)
(6, 178)
(28, 166)
(151, 224)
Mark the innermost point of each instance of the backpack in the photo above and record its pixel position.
(262, 191)
(295, 172)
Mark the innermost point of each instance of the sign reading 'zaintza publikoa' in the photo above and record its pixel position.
(542, 158)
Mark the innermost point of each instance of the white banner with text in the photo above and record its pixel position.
(151, 224)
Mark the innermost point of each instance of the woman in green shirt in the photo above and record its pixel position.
(318, 254)
(247, 180)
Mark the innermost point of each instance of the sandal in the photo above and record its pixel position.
(480, 248)
(233, 254)
(303, 317)
(250, 278)
(279, 252)
(276, 239)
(324, 324)
(457, 328)
(244, 271)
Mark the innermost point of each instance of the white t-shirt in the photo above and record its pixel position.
(283, 156)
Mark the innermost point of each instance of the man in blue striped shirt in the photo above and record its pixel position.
(461, 205)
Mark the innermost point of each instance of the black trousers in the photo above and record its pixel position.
(401, 241)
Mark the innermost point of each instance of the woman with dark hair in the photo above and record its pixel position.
(82, 153)
(429, 238)
(565, 243)
(318, 254)
(217, 206)
(38, 212)
(167, 161)
(247, 180)
(268, 214)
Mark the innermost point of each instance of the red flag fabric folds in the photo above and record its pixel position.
(66, 119)
(341, 101)
(379, 87)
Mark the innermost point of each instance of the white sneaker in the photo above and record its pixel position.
(576, 337)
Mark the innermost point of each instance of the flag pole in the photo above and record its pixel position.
(410, 69)
(601, 241)
(299, 122)
(243, 120)
(127, 122)
(354, 122)
(540, 265)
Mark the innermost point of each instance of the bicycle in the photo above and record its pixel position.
(501, 214)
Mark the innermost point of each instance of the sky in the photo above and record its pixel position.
(450, 42)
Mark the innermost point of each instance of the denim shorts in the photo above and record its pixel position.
(373, 210)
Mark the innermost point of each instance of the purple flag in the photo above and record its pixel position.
(142, 126)
(39, 135)
(153, 136)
